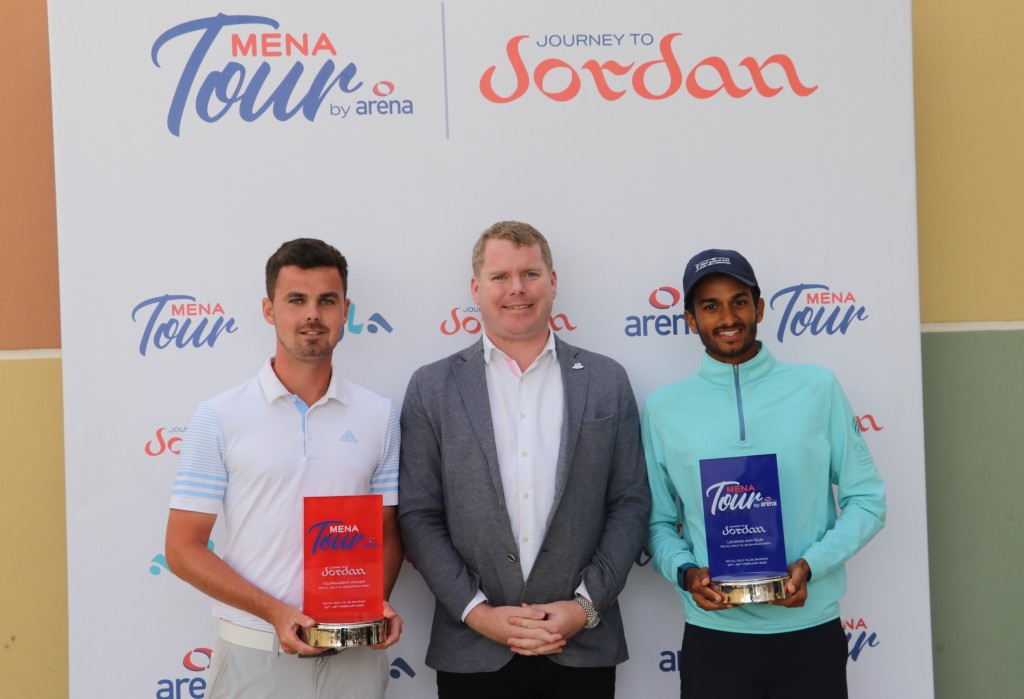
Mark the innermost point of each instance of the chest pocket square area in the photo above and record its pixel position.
(600, 423)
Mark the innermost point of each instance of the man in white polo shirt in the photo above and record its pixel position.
(254, 452)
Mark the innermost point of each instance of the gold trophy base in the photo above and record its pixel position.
(340, 636)
(752, 591)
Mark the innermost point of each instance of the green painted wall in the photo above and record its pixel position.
(974, 448)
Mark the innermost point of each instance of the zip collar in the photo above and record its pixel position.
(724, 374)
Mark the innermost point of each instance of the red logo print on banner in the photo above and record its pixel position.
(561, 81)
(657, 296)
(163, 443)
(461, 320)
(868, 423)
(663, 298)
(198, 659)
(193, 687)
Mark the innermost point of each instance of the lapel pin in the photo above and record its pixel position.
(577, 365)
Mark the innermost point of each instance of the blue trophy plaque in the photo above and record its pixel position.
(743, 526)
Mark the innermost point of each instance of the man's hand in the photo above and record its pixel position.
(698, 584)
(562, 619)
(394, 627)
(287, 621)
(519, 628)
(799, 574)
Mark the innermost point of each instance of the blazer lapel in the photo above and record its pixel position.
(472, 385)
(575, 379)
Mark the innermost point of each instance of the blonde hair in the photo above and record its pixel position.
(515, 232)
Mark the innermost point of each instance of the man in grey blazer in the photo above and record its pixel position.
(524, 495)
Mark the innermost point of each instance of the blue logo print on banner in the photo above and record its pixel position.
(823, 310)
(278, 84)
(159, 562)
(178, 329)
(664, 298)
(194, 687)
(400, 667)
(859, 637)
(373, 324)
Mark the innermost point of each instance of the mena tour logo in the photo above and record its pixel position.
(273, 73)
(178, 321)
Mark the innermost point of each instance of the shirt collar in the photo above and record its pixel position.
(274, 389)
(549, 346)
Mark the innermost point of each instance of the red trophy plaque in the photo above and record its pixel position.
(343, 564)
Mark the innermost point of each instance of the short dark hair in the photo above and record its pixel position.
(515, 232)
(305, 253)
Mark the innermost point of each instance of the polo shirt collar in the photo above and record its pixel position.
(274, 389)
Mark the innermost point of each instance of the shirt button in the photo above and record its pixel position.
(524, 454)
(522, 416)
(526, 539)
(526, 496)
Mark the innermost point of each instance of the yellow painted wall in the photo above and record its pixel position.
(970, 154)
(33, 554)
(969, 107)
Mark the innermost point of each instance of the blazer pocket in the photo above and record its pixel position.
(601, 423)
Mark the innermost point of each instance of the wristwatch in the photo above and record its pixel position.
(681, 574)
(593, 618)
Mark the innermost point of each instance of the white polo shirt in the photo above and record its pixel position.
(255, 451)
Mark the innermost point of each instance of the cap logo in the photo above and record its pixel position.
(711, 261)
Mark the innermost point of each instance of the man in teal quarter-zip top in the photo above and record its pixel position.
(793, 424)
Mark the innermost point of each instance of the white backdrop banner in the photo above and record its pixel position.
(193, 137)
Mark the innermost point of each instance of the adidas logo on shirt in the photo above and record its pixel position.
(348, 437)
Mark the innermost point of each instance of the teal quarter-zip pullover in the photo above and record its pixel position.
(797, 412)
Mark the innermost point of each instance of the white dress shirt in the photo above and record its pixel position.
(527, 409)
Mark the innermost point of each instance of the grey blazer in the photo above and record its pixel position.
(455, 528)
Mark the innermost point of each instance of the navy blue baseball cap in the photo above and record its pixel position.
(717, 262)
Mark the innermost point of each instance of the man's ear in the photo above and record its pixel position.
(691, 320)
